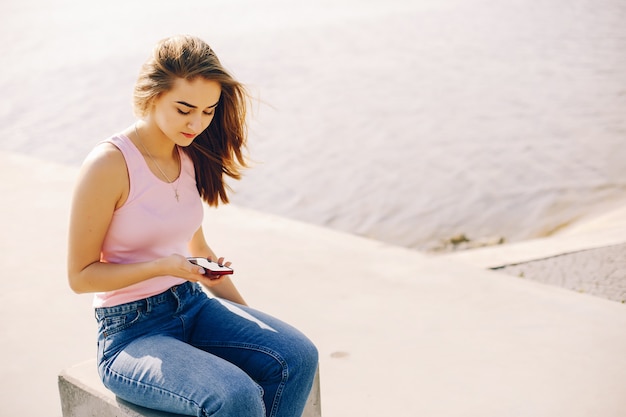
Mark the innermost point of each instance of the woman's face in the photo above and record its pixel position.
(183, 112)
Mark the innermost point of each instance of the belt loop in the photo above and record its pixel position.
(177, 297)
(148, 305)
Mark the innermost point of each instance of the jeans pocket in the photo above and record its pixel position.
(114, 323)
(116, 330)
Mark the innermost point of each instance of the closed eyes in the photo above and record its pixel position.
(185, 113)
(207, 112)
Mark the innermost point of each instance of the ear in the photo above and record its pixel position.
(150, 105)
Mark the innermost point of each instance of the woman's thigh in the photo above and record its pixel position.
(164, 373)
(274, 354)
(236, 331)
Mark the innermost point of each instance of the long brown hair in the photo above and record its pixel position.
(218, 150)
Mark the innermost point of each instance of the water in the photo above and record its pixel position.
(408, 122)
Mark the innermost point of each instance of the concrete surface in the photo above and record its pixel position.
(83, 394)
(587, 257)
(606, 230)
(399, 333)
(600, 271)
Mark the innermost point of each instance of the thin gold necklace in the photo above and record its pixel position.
(175, 187)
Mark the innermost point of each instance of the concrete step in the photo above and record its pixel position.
(83, 395)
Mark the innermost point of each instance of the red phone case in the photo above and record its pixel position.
(211, 268)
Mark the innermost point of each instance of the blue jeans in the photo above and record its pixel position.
(186, 353)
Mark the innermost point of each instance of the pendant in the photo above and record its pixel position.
(176, 195)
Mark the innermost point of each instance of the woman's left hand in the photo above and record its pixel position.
(213, 279)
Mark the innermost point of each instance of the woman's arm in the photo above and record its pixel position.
(101, 188)
(221, 286)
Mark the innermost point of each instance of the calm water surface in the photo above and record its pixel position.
(408, 122)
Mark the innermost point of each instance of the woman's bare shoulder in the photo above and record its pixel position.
(105, 157)
(105, 168)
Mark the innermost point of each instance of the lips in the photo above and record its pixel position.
(189, 135)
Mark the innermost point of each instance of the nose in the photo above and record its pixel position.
(195, 124)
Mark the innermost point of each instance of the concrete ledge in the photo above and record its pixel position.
(82, 394)
(603, 231)
(600, 271)
(587, 258)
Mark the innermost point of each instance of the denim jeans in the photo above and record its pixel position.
(186, 353)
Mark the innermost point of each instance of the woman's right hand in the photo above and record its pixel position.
(178, 266)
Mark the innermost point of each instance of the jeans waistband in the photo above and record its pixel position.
(145, 304)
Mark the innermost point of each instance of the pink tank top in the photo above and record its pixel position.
(151, 223)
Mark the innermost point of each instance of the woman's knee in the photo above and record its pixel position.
(303, 358)
(309, 354)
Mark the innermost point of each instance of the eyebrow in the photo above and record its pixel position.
(184, 103)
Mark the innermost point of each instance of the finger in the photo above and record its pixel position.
(194, 268)
(211, 280)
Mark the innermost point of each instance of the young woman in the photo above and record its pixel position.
(136, 217)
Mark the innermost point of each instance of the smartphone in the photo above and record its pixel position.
(211, 268)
